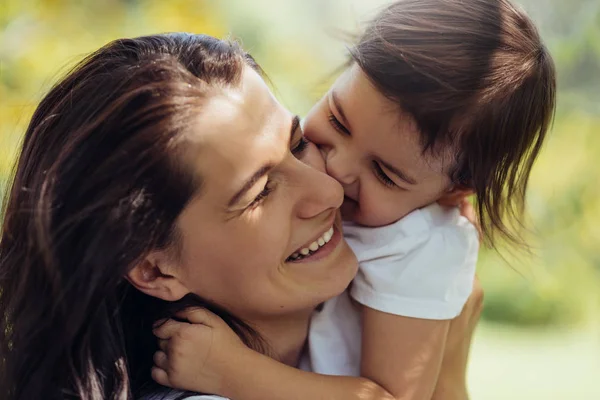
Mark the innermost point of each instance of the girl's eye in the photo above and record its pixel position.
(381, 175)
(299, 148)
(337, 125)
(260, 198)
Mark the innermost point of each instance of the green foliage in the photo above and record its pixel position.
(556, 286)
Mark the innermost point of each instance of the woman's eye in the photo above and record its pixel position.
(337, 125)
(267, 190)
(299, 148)
(382, 176)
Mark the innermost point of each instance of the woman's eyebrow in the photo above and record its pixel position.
(262, 171)
(295, 125)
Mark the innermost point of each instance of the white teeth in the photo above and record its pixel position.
(314, 246)
(327, 235)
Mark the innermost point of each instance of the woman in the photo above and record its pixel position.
(160, 174)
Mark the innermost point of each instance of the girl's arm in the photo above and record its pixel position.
(403, 358)
(402, 354)
(263, 378)
(206, 356)
(452, 382)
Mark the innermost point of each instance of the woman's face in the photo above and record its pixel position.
(264, 197)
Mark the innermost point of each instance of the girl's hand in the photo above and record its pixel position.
(467, 211)
(461, 200)
(200, 355)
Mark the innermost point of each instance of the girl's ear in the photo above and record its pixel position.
(455, 195)
(150, 277)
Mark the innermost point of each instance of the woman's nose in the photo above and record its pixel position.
(318, 193)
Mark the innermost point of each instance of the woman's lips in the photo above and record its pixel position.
(322, 251)
(314, 245)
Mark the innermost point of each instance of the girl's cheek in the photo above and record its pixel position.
(316, 125)
(311, 130)
(313, 157)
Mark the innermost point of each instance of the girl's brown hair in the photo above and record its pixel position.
(475, 75)
(98, 185)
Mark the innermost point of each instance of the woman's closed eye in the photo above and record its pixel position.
(261, 197)
(337, 125)
(297, 150)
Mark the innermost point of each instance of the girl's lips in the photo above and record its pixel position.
(324, 250)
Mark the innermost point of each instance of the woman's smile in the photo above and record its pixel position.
(319, 248)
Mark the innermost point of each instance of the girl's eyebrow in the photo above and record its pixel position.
(399, 173)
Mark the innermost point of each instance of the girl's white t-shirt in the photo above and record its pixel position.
(421, 266)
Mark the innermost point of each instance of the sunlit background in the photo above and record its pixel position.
(540, 337)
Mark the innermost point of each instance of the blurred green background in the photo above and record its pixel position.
(540, 336)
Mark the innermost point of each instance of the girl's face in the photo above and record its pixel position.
(263, 198)
(374, 151)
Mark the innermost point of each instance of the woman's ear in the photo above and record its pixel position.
(150, 277)
(454, 196)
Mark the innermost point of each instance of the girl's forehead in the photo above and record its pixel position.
(392, 133)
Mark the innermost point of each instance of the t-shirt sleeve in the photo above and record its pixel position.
(431, 279)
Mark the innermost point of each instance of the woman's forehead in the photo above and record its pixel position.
(238, 128)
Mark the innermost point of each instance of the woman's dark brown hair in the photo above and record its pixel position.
(98, 185)
(476, 77)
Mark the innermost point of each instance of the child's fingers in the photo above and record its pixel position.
(160, 360)
(166, 330)
(468, 211)
(160, 376)
(197, 315)
(163, 344)
(453, 199)
(160, 322)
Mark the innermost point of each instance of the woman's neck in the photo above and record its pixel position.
(286, 335)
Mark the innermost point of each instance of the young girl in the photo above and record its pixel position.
(442, 98)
